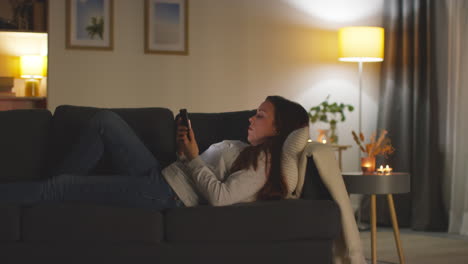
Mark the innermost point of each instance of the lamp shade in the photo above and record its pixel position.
(32, 66)
(361, 44)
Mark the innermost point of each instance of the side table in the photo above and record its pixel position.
(373, 184)
(339, 149)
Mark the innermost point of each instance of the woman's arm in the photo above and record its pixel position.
(239, 186)
(186, 143)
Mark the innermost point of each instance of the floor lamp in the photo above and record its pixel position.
(361, 44)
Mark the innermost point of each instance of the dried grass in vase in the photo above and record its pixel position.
(381, 146)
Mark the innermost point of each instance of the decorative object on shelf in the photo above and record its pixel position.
(361, 44)
(32, 69)
(23, 15)
(323, 136)
(166, 27)
(330, 113)
(6, 85)
(90, 24)
(381, 146)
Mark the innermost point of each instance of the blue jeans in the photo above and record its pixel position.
(139, 182)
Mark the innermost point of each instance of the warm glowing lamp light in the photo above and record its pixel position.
(32, 69)
(361, 44)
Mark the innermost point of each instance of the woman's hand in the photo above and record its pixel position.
(186, 143)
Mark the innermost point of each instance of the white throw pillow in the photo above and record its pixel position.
(292, 149)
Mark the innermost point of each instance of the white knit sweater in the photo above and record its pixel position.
(207, 178)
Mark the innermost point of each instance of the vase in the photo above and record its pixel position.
(368, 165)
(333, 135)
(322, 136)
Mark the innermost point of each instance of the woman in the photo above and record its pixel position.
(226, 173)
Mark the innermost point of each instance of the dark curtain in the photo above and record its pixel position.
(410, 109)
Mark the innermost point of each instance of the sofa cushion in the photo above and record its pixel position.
(66, 222)
(259, 221)
(9, 222)
(210, 128)
(23, 142)
(154, 126)
(292, 149)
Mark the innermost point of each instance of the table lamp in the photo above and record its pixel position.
(361, 44)
(32, 69)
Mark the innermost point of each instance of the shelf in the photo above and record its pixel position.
(22, 98)
(22, 102)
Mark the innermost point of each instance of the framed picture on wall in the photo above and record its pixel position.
(89, 24)
(166, 27)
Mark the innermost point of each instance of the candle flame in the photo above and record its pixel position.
(386, 170)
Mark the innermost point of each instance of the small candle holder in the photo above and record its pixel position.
(381, 170)
(387, 170)
(368, 165)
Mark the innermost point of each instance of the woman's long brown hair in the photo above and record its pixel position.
(288, 117)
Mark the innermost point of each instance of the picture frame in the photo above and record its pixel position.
(89, 24)
(166, 27)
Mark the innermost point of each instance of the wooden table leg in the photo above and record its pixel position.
(339, 159)
(396, 231)
(373, 229)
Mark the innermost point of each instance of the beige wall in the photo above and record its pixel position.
(240, 52)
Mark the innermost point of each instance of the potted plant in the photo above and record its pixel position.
(330, 113)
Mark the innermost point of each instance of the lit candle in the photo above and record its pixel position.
(309, 140)
(388, 169)
(381, 169)
(324, 141)
(368, 165)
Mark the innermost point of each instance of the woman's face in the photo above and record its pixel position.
(262, 124)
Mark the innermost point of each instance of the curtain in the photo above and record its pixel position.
(457, 116)
(412, 108)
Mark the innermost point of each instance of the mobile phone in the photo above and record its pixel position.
(184, 117)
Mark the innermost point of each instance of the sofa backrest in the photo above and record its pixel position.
(23, 143)
(29, 138)
(154, 126)
(210, 128)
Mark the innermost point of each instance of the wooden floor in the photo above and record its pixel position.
(419, 247)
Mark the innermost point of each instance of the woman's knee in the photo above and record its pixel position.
(106, 118)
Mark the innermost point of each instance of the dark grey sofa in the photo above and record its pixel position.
(33, 142)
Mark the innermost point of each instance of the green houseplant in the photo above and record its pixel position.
(330, 113)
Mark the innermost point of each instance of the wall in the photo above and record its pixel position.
(240, 52)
